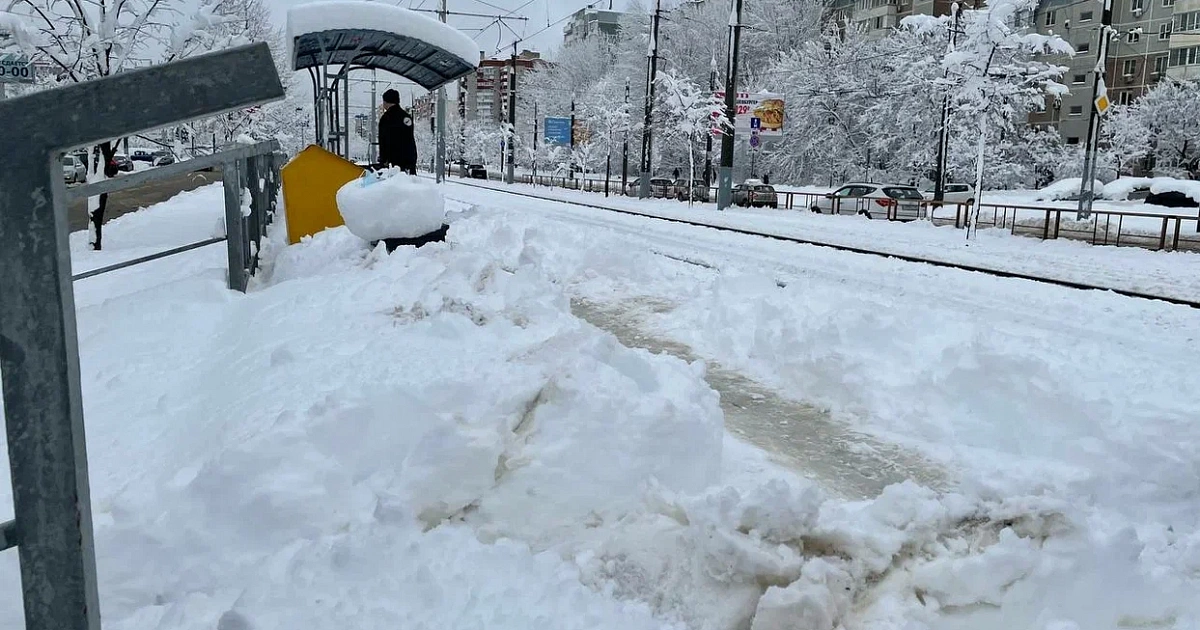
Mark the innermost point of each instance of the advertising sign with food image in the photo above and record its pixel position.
(762, 112)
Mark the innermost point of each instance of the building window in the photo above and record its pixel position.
(1160, 64)
(1164, 32)
(1136, 6)
(1124, 98)
(1074, 140)
(1086, 16)
(1083, 47)
(1079, 78)
(1168, 3)
(1051, 18)
(879, 22)
(1187, 22)
(1133, 37)
(1129, 67)
(1077, 110)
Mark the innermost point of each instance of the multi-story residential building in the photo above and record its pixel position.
(588, 22)
(1156, 39)
(484, 94)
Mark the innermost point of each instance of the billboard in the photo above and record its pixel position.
(15, 68)
(558, 131)
(761, 112)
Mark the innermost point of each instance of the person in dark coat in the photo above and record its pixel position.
(397, 145)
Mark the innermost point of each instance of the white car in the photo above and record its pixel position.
(899, 202)
(73, 169)
(954, 193)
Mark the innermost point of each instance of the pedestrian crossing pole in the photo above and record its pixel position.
(725, 177)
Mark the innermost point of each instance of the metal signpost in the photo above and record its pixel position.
(39, 349)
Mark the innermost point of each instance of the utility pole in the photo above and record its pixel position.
(651, 81)
(535, 142)
(510, 172)
(625, 144)
(725, 191)
(939, 186)
(1087, 192)
(440, 170)
(572, 169)
(712, 88)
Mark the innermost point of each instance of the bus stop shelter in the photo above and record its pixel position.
(331, 39)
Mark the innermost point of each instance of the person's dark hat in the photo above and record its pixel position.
(391, 96)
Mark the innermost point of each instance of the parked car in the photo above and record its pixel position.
(954, 193)
(1172, 199)
(754, 193)
(74, 170)
(660, 187)
(143, 155)
(124, 164)
(162, 158)
(679, 190)
(474, 171)
(895, 201)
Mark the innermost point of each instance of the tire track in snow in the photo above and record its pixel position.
(797, 435)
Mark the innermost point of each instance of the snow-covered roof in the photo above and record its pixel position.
(378, 35)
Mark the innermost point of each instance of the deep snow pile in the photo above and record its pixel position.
(1087, 433)
(431, 440)
(391, 204)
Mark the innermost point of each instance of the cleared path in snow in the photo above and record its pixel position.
(799, 436)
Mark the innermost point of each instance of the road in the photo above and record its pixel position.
(126, 201)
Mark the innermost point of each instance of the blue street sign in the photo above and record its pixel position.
(756, 123)
(558, 131)
(754, 140)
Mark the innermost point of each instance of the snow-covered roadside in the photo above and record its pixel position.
(1159, 273)
(431, 440)
(1079, 399)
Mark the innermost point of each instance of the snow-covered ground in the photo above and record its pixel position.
(432, 439)
(1173, 274)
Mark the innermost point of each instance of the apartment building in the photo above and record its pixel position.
(589, 22)
(1155, 39)
(484, 94)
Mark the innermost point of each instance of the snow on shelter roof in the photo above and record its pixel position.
(378, 35)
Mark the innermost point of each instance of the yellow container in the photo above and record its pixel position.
(310, 184)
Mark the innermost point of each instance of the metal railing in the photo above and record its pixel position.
(1164, 231)
(252, 170)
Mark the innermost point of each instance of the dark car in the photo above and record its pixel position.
(477, 171)
(124, 164)
(1172, 199)
(143, 155)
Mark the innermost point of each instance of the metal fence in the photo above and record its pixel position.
(251, 171)
(1166, 231)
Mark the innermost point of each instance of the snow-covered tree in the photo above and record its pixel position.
(992, 73)
(1163, 126)
(693, 113)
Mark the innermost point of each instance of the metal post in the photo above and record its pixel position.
(625, 144)
(373, 120)
(572, 162)
(651, 80)
(441, 118)
(1087, 186)
(234, 228)
(939, 186)
(535, 142)
(725, 190)
(509, 172)
(346, 113)
(708, 140)
(39, 349)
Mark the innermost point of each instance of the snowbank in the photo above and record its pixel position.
(1066, 189)
(316, 17)
(391, 205)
